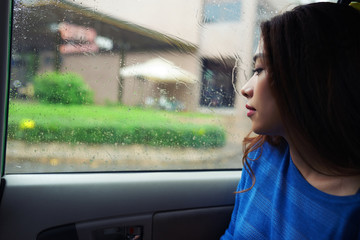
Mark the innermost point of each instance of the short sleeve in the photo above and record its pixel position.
(244, 183)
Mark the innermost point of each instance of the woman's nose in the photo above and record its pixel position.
(247, 90)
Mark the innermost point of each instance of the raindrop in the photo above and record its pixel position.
(17, 83)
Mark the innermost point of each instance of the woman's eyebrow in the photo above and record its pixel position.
(258, 55)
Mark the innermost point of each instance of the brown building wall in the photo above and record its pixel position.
(101, 73)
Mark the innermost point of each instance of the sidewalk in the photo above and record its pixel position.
(60, 157)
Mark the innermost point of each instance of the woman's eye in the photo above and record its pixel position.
(257, 71)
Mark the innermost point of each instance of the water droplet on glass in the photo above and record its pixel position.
(17, 83)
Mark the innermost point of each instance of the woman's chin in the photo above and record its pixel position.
(261, 130)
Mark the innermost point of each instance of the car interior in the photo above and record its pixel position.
(153, 148)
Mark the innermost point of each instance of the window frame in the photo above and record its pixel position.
(5, 44)
(7, 8)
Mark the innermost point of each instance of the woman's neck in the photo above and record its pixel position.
(334, 185)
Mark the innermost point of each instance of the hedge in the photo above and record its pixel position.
(178, 136)
(155, 132)
(62, 88)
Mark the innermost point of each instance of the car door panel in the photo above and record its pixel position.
(204, 223)
(36, 202)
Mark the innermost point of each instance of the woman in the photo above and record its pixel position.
(302, 175)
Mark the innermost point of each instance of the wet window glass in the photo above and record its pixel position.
(130, 85)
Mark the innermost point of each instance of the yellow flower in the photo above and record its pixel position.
(201, 131)
(54, 162)
(27, 124)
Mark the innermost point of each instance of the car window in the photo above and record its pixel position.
(130, 85)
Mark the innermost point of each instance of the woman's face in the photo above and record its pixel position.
(262, 108)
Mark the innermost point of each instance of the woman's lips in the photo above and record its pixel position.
(251, 110)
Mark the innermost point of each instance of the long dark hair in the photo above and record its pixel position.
(312, 54)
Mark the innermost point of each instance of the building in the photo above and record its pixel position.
(206, 38)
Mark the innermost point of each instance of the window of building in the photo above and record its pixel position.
(218, 83)
(222, 11)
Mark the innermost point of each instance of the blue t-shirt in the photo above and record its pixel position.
(283, 205)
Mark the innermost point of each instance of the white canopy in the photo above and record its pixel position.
(159, 70)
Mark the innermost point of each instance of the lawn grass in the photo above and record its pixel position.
(95, 124)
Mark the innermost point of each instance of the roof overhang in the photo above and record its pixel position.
(125, 35)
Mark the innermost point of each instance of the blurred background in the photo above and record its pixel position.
(131, 85)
